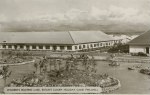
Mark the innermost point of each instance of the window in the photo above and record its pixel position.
(83, 46)
(27, 47)
(87, 46)
(47, 47)
(40, 47)
(15, 46)
(76, 47)
(106, 44)
(69, 47)
(9, 46)
(97, 45)
(34, 47)
(62, 47)
(21, 46)
(80, 47)
(91, 45)
(54, 48)
(94, 45)
(4, 46)
(101, 44)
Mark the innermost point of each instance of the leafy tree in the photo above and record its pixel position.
(119, 48)
(94, 64)
(45, 70)
(67, 65)
(51, 63)
(59, 63)
(75, 64)
(3, 53)
(55, 64)
(41, 65)
(5, 73)
(36, 66)
(85, 61)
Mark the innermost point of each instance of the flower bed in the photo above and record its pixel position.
(75, 78)
(14, 59)
(145, 71)
(113, 87)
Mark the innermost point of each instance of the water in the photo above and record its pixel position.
(132, 82)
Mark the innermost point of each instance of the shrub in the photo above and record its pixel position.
(145, 71)
(122, 48)
(141, 54)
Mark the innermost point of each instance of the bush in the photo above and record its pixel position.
(119, 48)
(145, 71)
(141, 54)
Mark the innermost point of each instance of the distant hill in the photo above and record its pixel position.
(110, 28)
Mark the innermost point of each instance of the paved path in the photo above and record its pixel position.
(135, 59)
(17, 63)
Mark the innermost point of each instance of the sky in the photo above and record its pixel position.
(75, 13)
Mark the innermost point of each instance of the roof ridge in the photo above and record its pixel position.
(71, 37)
(141, 39)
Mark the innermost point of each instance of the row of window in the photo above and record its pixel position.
(40, 47)
(93, 45)
(61, 47)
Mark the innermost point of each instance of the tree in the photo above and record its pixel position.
(59, 63)
(71, 66)
(85, 61)
(51, 62)
(45, 70)
(67, 65)
(36, 66)
(5, 73)
(119, 48)
(2, 53)
(75, 64)
(55, 64)
(94, 64)
(41, 64)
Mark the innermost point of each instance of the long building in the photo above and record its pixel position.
(140, 44)
(55, 41)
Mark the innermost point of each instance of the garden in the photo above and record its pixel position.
(72, 71)
(10, 57)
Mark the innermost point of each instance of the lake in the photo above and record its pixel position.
(132, 82)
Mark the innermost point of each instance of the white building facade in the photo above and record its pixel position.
(140, 44)
(62, 47)
(55, 41)
(137, 49)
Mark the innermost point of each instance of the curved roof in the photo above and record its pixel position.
(143, 39)
(66, 37)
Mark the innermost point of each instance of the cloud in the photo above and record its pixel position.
(113, 18)
(113, 13)
(3, 18)
(94, 15)
(129, 15)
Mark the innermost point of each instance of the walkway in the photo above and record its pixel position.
(18, 63)
(132, 59)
